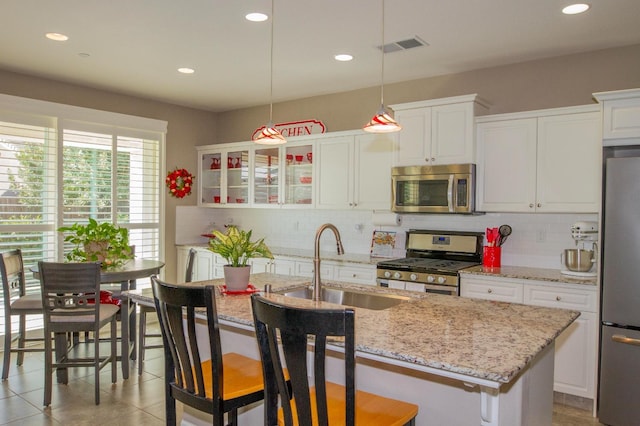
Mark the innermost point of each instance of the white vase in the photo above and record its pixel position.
(236, 278)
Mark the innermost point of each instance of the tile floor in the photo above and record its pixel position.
(136, 401)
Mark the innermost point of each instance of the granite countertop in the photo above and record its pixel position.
(477, 338)
(521, 272)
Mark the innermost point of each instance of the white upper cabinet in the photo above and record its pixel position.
(439, 131)
(540, 161)
(223, 179)
(354, 171)
(621, 117)
(283, 175)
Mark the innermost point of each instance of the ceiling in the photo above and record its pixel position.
(135, 46)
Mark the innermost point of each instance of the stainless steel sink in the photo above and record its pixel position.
(358, 299)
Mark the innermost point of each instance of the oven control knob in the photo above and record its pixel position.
(397, 275)
(387, 274)
(441, 280)
(431, 278)
(413, 277)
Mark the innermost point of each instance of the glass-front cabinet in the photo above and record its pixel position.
(224, 176)
(299, 175)
(283, 175)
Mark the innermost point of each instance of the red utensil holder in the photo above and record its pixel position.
(491, 256)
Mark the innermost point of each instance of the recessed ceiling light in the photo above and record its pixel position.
(256, 17)
(574, 9)
(186, 70)
(57, 37)
(343, 57)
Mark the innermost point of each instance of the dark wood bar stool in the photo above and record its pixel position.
(215, 386)
(325, 403)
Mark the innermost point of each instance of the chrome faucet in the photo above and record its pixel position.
(317, 284)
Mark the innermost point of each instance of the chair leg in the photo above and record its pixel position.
(7, 348)
(48, 369)
(141, 338)
(114, 351)
(233, 417)
(21, 338)
(96, 366)
(170, 408)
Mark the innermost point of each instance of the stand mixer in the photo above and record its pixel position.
(581, 261)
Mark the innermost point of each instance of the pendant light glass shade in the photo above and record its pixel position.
(382, 122)
(269, 135)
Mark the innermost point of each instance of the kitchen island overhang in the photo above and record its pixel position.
(461, 360)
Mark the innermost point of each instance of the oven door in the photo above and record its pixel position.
(411, 286)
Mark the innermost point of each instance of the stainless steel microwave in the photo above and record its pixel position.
(434, 189)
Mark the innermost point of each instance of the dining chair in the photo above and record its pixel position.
(70, 300)
(324, 403)
(144, 310)
(200, 375)
(17, 302)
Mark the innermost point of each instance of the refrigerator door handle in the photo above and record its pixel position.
(626, 340)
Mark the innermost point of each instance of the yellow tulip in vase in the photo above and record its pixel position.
(236, 247)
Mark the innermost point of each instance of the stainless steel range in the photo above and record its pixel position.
(433, 261)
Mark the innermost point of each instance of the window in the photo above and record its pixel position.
(59, 168)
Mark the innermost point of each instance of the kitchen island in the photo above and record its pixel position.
(463, 361)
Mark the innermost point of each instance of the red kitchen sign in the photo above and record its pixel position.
(296, 128)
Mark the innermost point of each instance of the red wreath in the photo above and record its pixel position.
(179, 183)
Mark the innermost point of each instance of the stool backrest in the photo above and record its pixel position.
(12, 271)
(294, 328)
(190, 261)
(70, 296)
(184, 375)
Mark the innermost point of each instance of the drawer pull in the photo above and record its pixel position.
(489, 291)
(624, 339)
(558, 298)
(354, 275)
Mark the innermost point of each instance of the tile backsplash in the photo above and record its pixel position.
(537, 239)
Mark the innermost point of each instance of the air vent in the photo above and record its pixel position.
(410, 43)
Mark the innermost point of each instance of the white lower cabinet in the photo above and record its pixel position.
(209, 265)
(576, 348)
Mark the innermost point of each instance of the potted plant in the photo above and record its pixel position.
(236, 247)
(98, 242)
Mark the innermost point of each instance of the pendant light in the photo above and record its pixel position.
(382, 122)
(269, 135)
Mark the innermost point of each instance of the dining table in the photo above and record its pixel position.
(122, 278)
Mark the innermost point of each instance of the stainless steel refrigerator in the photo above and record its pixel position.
(619, 386)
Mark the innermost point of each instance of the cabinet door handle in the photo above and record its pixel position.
(558, 298)
(433, 159)
(353, 276)
(531, 205)
(489, 291)
(626, 340)
(539, 205)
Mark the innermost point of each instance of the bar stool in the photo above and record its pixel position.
(144, 310)
(219, 385)
(325, 402)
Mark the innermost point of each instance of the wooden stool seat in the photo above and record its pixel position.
(371, 409)
(241, 376)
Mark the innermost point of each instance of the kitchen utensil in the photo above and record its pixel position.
(504, 231)
(578, 260)
(492, 236)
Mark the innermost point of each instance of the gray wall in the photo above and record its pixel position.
(562, 81)
(547, 83)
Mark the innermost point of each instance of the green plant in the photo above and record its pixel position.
(236, 247)
(97, 242)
